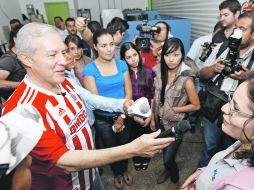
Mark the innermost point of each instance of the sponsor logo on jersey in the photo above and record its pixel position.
(79, 122)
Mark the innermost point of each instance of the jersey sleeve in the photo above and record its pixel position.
(49, 148)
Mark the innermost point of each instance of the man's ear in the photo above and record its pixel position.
(237, 14)
(118, 32)
(25, 59)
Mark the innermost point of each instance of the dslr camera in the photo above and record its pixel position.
(233, 62)
(207, 50)
(145, 34)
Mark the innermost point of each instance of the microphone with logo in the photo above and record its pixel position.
(176, 131)
(140, 108)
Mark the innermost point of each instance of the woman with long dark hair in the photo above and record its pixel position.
(175, 95)
(142, 86)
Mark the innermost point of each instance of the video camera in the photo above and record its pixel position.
(233, 62)
(145, 34)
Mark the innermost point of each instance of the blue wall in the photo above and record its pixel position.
(180, 28)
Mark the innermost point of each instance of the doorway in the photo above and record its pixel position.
(56, 9)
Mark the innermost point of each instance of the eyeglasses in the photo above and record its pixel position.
(249, 117)
(232, 105)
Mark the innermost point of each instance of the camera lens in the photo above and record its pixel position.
(143, 42)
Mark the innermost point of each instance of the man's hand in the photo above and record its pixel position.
(218, 67)
(119, 124)
(154, 50)
(126, 105)
(190, 181)
(240, 75)
(81, 24)
(147, 145)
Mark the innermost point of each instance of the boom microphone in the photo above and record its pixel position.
(176, 131)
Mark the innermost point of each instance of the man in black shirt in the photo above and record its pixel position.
(11, 69)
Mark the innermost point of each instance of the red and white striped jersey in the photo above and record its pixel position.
(66, 128)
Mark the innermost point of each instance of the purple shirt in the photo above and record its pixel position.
(146, 89)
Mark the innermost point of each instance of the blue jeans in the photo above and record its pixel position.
(111, 139)
(212, 141)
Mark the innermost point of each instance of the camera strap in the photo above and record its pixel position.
(222, 48)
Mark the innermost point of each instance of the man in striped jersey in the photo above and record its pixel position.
(64, 158)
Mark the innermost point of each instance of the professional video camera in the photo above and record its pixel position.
(145, 34)
(207, 50)
(233, 62)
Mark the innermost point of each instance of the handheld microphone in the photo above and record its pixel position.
(176, 131)
(140, 108)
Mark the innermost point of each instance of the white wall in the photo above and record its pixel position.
(14, 8)
(9, 9)
(97, 5)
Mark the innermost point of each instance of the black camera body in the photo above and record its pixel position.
(145, 34)
(233, 62)
(207, 50)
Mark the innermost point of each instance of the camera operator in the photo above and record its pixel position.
(213, 66)
(156, 44)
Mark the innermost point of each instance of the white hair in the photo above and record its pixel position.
(25, 42)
